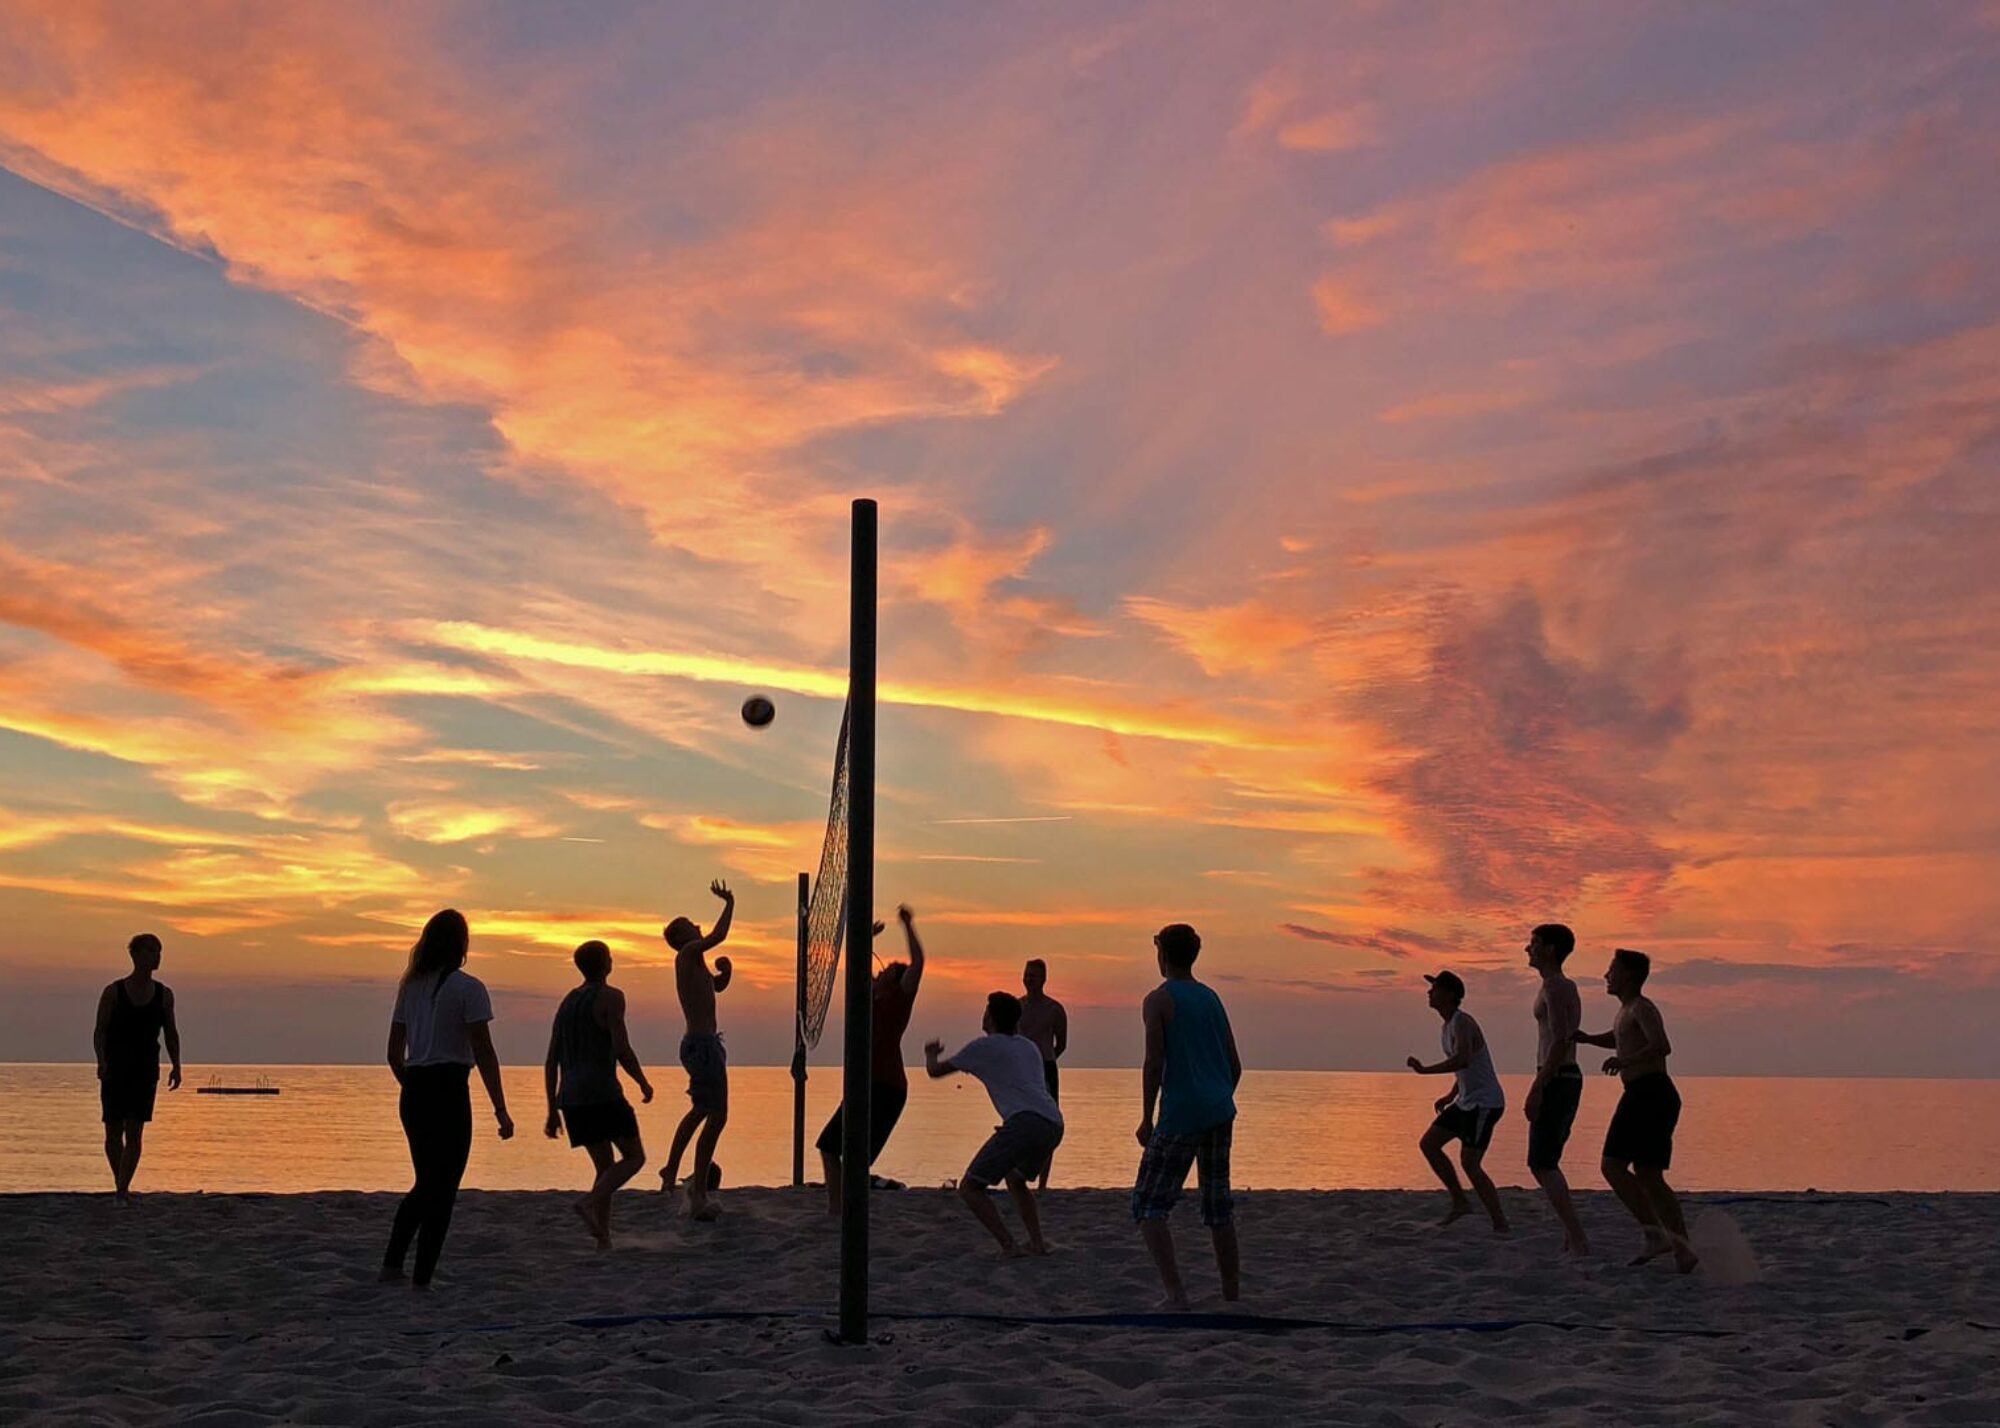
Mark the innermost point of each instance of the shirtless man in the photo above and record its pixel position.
(1558, 1089)
(1469, 1111)
(587, 1045)
(133, 1016)
(701, 1050)
(1044, 1022)
(1639, 1146)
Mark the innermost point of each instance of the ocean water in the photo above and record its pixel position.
(335, 1127)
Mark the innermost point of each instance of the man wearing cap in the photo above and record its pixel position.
(1469, 1111)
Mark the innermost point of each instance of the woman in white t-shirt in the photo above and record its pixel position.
(437, 1035)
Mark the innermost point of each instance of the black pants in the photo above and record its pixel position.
(436, 1108)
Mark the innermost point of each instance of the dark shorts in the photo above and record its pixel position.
(600, 1123)
(1021, 1146)
(1163, 1171)
(1053, 1078)
(1642, 1128)
(707, 1066)
(127, 1098)
(1549, 1132)
(885, 1108)
(1473, 1125)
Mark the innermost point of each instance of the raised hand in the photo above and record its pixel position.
(721, 890)
(904, 915)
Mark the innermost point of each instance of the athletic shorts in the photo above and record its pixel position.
(707, 1065)
(885, 1108)
(1163, 1170)
(600, 1123)
(1548, 1133)
(1019, 1146)
(127, 1098)
(1474, 1125)
(1053, 1078)
(1642, 1128)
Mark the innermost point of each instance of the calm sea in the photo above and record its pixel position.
(334, 1127)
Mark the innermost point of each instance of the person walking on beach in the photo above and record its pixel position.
(1470, 1110)
(1639, 1145)
(1046, 1023)
(587, 1045)
(440, 1030)
(1558, 1090)
(1191, 1074)
(895, 993)
(702, 1056)
(1031, 1125)
(133, 1015)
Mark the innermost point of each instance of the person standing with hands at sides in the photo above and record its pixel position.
(702, 1056)
(133, 1015)
(587, 1045)
(441, 1030)
(1191, 1074)
(1470, 1110)
(1044, 1022)
(1031, 1125)
(1639, 1145)
(1558, 1090)
(895, 993)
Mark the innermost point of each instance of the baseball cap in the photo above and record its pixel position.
(1449, 981)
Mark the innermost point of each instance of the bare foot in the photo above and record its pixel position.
(1656, 1245)
(1500, 1227)
(1685, 1259)
(706, 1211)
(1459, 1210)
(1577, 1249)
(667, 1186)
(389, 1275)
(1038, 1247)
(599, 1231)
(1174, 1304)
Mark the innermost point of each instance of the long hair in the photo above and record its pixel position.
(440, 947)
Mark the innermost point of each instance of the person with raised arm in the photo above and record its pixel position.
(1470, 1110)
(1031, 1125)
(895, 995)
(441, 1029)
(1191, 1074)
(702, 1054)
(1639, 1145)
(133, 1015)
(1558, 1090)
(587, 1045)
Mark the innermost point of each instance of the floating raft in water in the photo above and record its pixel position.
(216, 1088)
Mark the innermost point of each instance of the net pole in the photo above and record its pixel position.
(860, 930)
(799, 1043)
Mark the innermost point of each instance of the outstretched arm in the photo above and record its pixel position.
(935, 1063)
(1155, 1010)
(171, 1032)
(480, 1033)
(913, 975)
(612, 1009)
(1606, 1039)
(1470, 1039)
(719, 933)
(97, 1037)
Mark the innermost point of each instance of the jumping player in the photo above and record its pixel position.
(702, 1055)
(1470, 1110)
(1558, 1090)
(895, 993)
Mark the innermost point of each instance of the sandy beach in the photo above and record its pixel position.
(225, 1309)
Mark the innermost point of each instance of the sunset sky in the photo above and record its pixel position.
(1361, 479)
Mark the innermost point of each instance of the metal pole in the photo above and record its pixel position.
(799, 1044)
(860, 930)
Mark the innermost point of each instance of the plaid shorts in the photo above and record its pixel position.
(1163, 1171)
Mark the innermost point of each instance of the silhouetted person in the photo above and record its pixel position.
(1031, 1125)
(895, 993)
(587, 1045)
(702, 1056)
(132, 1016)
(1044, 1022)
(1191, 1073)
(1558, 1090)
(1639, 1145)
(1470, 1110)
(441, 1029)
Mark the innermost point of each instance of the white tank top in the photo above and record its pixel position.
(1478, 1086)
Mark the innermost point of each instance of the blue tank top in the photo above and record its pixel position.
(1197, 1091)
